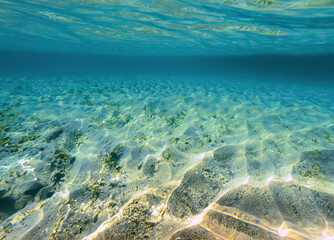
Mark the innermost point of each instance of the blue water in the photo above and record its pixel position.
(167, 119)
(168, 27)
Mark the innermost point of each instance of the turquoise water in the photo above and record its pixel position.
(169, 27)
(166, 119)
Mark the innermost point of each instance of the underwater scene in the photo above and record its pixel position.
(167, 119)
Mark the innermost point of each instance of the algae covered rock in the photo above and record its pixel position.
(315, 166)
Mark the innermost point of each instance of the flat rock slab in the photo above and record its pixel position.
(255, 201)
(195, 232)
(281, 210)
(136, 221)
(203, 183)
(194, 194)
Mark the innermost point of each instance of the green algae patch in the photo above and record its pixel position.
(89, 100)
(7, 144)
(140, 137)
(169, 157)
(29, 137)
(4, 140)
(208, 138)
(223, 127)
(316, 166)
(61, 162)
(174, 120)
(112, 159)
(314, 171)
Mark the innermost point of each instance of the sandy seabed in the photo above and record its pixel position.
(148, 157)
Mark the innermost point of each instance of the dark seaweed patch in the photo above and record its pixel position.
(29, 137)
(112, 159)
(61, 161)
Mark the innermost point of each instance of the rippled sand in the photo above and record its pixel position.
(116, 157)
